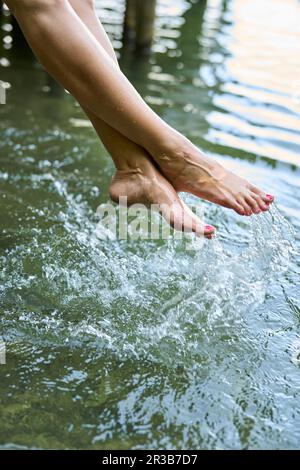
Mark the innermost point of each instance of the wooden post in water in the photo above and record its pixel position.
(145, 25)
(139, 24)
(129, 31)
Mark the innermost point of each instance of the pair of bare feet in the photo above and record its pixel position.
(179, 166)
(154, 162)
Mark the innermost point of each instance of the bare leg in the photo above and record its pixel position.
(95, 80)
(136, 177)
(83, 67)
(113, 142)
(124, 152)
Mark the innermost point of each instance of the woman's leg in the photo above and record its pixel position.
(71, 53)
(86, 11)
(81, 64)
(136, 177)
(125, 153)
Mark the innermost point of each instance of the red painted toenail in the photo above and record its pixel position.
(209, 227)
(270, 197)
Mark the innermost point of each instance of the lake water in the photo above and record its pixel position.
(144, 344)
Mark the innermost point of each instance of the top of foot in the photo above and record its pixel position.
(189, 170)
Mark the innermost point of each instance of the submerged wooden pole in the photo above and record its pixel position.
(129, 31)
(139, 24)
(145, 24)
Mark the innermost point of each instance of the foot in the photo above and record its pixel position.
(144, 184)
(190, 171)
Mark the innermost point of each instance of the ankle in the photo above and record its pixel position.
(137, 165)
(170, 144)
(180, 150)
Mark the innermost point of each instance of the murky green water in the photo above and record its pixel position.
(144, 344)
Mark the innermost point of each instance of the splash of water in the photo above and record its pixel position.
(148, 300)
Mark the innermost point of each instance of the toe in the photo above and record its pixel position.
(260, 201)
(238, 208)
(255, 190)
(268, 198)
(265, 198)
(191, 220)
(247, 208)
(209, 231)
(252, 202)
(233, 203)
(182, 218)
